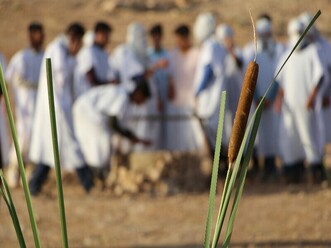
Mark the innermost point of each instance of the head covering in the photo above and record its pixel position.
(88, 38)
(306, 18)
(223, 31)
(136, 38)
(204, 27)
(263, 27)
(294, 30)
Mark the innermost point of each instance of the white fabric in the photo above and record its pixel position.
(213, 54)
(299, 130)
(223, 31)
(184, 134)
(4, 138)
(136, 40)
(204, 27)
(23, 74)
(41, 145)
(88, 38)
(91, 57)
(91, 113)
(263, 26)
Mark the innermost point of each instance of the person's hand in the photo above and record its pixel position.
(310, 103)
(160, 105)
(326, 102)
(278, 106)
(145, 142)
(171, 92)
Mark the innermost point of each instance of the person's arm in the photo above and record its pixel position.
(115, 125)
(208, 75)
(279, 100)
(312, 97)
(93, 78)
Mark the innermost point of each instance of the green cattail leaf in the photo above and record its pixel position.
(214, 176)
(5, 192)
(56, 153)
(254, 122)
(20, 160)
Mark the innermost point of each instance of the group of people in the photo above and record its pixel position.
(141, 97)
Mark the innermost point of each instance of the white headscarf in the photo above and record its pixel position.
(294, 30)
(223, 31)
(136, 39)
(204, 27)
(263, 27)
(306, 18)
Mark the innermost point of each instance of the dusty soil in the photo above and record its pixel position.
(269, 215)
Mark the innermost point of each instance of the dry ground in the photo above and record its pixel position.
(269, 216)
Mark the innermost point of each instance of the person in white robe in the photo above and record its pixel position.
(209, 76)
(268, 55)
(99, 113)
(130, 64)
(62, 51)
(323, 103)
(93, 67)
(4, 138)
(162, 81)
(299, 83)
(184, 133)
(23, 75)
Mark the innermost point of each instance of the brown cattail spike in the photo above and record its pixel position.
(243, 109)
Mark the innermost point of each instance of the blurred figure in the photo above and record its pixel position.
(233, 76)
(183, 134)
(268, 55)
(100, 111)
(323, 107)
(23, 75)
(300, 82)
(210, 74)
(62, 51)
(161, 78)
(4, 139)
(93, 67)
(131, 66)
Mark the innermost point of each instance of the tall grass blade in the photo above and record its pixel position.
(214, 176)
(5, 192)
(56, 153)
(20, 161)
(244, 167)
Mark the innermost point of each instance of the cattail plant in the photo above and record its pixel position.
(241, 138)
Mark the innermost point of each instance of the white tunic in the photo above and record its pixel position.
(91, 121)
(126, 65)
(91, 57)
(4, 138)
(23, 74)
(299, 137)
(267, 59)
(213, 54)
(183, 134)
(41, 145)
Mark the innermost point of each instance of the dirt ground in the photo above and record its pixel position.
(269, 215)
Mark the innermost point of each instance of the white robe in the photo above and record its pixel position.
(213, 54)
(183, 134)
(324, 52)
(23, 74)
(268, 133)
(4, 137)
(41, 144)
(299, 137)
(126, 65)
(91, 114)
(91, 57)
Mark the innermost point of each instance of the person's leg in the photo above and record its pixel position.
(85, 177)
(270, 170)
(38, 178)
(317, 171)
